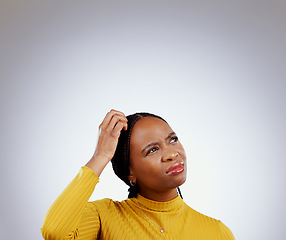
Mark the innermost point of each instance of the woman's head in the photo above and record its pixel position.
(149, 154)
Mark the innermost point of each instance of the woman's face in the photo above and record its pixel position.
(157, 158)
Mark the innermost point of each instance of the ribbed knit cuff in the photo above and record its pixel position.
(88, 172)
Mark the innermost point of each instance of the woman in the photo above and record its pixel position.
(147, 155)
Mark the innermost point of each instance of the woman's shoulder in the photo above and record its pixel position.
(203, 220)
(200, 216)
(107, 203)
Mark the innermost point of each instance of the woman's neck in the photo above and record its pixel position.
(160, 196)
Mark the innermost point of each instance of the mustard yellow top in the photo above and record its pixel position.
(71, 216)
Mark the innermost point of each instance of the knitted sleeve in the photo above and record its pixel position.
(226, 234)
(71, 215)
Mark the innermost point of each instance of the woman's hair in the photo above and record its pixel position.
(121, 159)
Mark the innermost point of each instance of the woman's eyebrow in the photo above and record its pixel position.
(170, 135)
(149, 145)
(153, 143)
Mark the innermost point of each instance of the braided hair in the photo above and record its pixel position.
(121, 159)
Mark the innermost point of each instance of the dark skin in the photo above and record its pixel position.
(109, 132)
(154, 147)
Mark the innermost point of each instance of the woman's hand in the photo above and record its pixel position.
(109, 132)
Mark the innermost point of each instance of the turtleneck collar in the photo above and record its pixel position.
(147, 204)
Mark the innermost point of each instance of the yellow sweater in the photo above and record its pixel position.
(71, 216)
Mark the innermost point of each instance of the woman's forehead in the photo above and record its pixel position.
(149, 129)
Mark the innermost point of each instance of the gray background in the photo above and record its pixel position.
(214, 69)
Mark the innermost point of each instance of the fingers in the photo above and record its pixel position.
(110, 130)
(115, 121)
(118, 127)
(111, 119)
(108, 117)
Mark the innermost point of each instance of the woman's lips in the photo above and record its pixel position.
(176, 168)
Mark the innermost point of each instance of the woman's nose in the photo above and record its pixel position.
(170, 156)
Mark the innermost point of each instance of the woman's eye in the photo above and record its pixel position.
(151, 150)
(174, 139)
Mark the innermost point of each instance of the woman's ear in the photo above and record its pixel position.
(131, 176)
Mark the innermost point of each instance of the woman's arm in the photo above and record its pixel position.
(226, 234)
(65, 214)
(71, 209)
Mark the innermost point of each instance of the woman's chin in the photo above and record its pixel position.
(179, 181)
